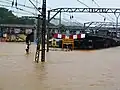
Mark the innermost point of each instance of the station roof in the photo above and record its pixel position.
(17, 25)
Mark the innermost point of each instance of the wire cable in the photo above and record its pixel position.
(18, 9)
(35, 6)
(89, 7)
(13, 2)
(99, 6)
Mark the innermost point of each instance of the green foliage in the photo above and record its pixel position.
(7, 17)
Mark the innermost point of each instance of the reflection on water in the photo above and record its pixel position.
(95, 70)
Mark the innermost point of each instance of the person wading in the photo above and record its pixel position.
(28, 42)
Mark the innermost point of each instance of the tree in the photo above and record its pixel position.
(7, 17)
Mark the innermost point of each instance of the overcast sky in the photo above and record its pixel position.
(81, 17)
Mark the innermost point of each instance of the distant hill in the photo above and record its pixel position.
(7, 17)
(67, 23)
(72, 24)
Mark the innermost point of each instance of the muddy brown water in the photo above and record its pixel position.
(75, 70)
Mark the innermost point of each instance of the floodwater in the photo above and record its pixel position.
(75, 70)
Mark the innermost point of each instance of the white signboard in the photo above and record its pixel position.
(59, 36)
(82, 35)
(74, 36)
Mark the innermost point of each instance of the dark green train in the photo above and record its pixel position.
(91, 42)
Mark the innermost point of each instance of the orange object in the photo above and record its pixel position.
(68, 42)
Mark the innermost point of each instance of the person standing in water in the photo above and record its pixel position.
(28, 42)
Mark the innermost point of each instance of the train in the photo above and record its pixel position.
(90, 41)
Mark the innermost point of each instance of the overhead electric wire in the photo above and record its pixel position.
(89, 7)
(35, 7)
(73, 19)
(25, 11)
(99, 6)
(37, 1)
(25, 2)
(5, 2)
(10, 2)
(18, 9)
(51, 8)
(40, 3)
(77, 17)
(95, 3)
(77, 23)
(20, 12)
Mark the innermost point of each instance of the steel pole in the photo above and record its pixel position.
(43, 31)
(38, 40)
(48, 31)
(117, 17)
(60, 23)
